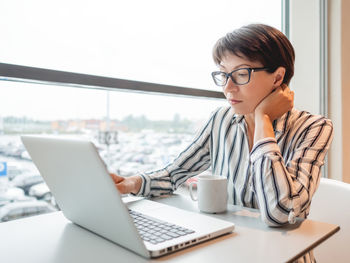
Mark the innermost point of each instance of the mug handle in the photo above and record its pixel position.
(191, 192)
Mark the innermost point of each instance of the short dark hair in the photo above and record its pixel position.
(258, 42)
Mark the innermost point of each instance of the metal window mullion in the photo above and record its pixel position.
(323, 58)
(324, 67)
(285, 17)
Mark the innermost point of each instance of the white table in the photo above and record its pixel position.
(52, 238)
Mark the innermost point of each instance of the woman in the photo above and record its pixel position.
(270, 152)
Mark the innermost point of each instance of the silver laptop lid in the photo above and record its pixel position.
(83, 189)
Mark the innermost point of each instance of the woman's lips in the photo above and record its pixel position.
(233, 102)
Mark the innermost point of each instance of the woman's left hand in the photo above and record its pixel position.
(277, 103)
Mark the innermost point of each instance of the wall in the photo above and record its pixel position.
(345, 69)
(339, 85)
(335, 88)
(305, 37)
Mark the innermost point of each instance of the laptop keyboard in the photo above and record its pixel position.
(156, 231)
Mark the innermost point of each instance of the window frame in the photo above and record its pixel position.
(11, 72)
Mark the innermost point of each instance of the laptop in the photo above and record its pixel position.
(86, 194)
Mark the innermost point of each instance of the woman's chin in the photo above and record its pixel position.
(240, 111)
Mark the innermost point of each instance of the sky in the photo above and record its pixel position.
(167, 42)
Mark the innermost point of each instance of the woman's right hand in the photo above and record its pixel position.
(127, 185)
(277, 103)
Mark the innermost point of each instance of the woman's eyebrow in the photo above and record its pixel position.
(236, 67)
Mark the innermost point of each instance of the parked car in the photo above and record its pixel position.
(13, 194)
(25, 155)
(13, 150)
(24, 209)
(25, 181)
(14, 169)
(40, 191)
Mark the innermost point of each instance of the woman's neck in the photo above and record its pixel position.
(250, 121)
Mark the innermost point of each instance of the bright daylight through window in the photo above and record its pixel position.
(164, 42)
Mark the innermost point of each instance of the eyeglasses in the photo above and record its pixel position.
(239, 76)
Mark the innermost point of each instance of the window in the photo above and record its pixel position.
(166, 42)
(150, 41)
(143, 136)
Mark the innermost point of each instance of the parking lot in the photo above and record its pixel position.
(23, 191)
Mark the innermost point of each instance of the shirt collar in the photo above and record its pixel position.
(237, 118)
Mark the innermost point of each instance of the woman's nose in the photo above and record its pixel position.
(230, 86)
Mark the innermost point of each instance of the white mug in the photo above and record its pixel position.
(211, 193)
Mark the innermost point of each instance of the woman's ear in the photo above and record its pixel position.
(279, 76)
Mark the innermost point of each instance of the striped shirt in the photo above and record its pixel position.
(279, 176)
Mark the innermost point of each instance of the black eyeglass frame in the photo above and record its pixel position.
(250, 70)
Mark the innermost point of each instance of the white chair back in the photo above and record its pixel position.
(331, 204)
